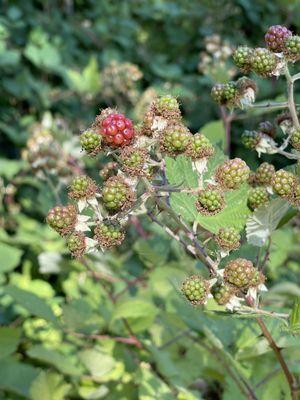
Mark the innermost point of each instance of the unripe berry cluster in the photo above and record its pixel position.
(116, 194)
(62, 219)
(257, 196)
(228, 238)
(210, 201)
(109, 234)
(232, 173)
(195, 289)
(242, 274)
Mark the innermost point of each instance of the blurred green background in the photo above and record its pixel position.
(60, 62)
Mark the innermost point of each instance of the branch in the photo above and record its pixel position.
(291, 102)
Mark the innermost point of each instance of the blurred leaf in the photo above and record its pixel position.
(97, 362)
(9, 340)
(9, 168)
(88, 81)
(10, 257)
(215, 132)
(153, 251)
(295, 318)
(49, 386)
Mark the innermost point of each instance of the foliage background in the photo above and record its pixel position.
(52, 58)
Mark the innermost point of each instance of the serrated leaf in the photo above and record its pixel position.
(264, 221)
(217, 159)
(179, 170)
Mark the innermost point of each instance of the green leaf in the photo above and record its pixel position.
(179, 171)
(264, 221)
(217, 159)
(97, 362)
(9, 168)
(10, 257)
(79, 314)
(295, 318)
(32, 303)
(215, 132)
(153, 251)
(49, 386)
(9, 340)
(55, 358)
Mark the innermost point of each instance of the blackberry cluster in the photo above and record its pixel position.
(195, 289)
(167, 107)
(257, 196)
(62, 219)
(134, 161)
(242, 58)
(109, 234)
(264, 174)
(90, 142)
(263, 62)
(210, 201)
(82, 187)
(200, 147)
(116, 194)
(240, 273)
(222, 293)
(283, 183)
(175, 139)
(228, 238)
(232, 173)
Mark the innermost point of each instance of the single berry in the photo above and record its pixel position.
(228, 238)
(242, 58)
(76, 244)
(222, 293)
(232, 173)
(292, 48)
(117, 130)
(210, 201)
(82, 187)
(239, 272)
(175, 139)
(90, 142)
(195, 289)
(276, 36)
(109, 234)
(200, 147)
(167, 107)
(134, 161)
(250, 139)
(295, 140)
(62, 219)
(116, 194)
(263, 62)
(267, 128)
(264, 174)
(283, 183)
(257, 196)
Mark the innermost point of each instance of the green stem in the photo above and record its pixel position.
(291, 102)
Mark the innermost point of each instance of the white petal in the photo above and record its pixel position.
(81, 204)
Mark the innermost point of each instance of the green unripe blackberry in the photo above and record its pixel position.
(257, 279)
(283, 183)
(292, 48)
(82, 187)
(175, 139)
(250, 139)
(263, 62)
(242, 58)
(195, 289)
(109, 234)
(200, 147)
(228, 238)
(232, 173)
(217, 93)
(224, 94)
(62, 219)
(166, 106)
(222, 293)
(90, 142)
(264, 173)
(239, 272)
(134, 161)
(116, 194)
(76, 244)
(210, 201)
(257, 196)
(295, 140)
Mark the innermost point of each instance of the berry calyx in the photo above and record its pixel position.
(76, 244)
(228, 238)
(82, 187)
(242, 58)
(276, 36)
(195, 289)
(116, 194)
(109, 234)
(210, 201)
(292, 48)
(175, 139)
(62, 219)
(117, 130)
(222, 293)
(239, 272)
(295, 140)
(200, 147)
(250, 139)
(90, 142)
(232, 173)
(264, 174)
(283, 183)
(257, 196)
(263, 62)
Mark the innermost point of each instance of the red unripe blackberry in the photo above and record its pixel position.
(295, 140)
(250, 139)
(257, 196)
(116, 194)
(232, 173)
(263, 62)
(283, 183)
(292, 48)
(200, 147)
(175, 139)
(195, 289)
(109, 234)
(242, 58)
(264, 173)
(82, 187)
(239, 272)
(276, 36)
(210, 201)
(117, 130)
(62, 219)
(228, 238)
(222, 293)
(90, 142)
(76, 244)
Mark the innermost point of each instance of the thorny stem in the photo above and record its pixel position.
(291, 102)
